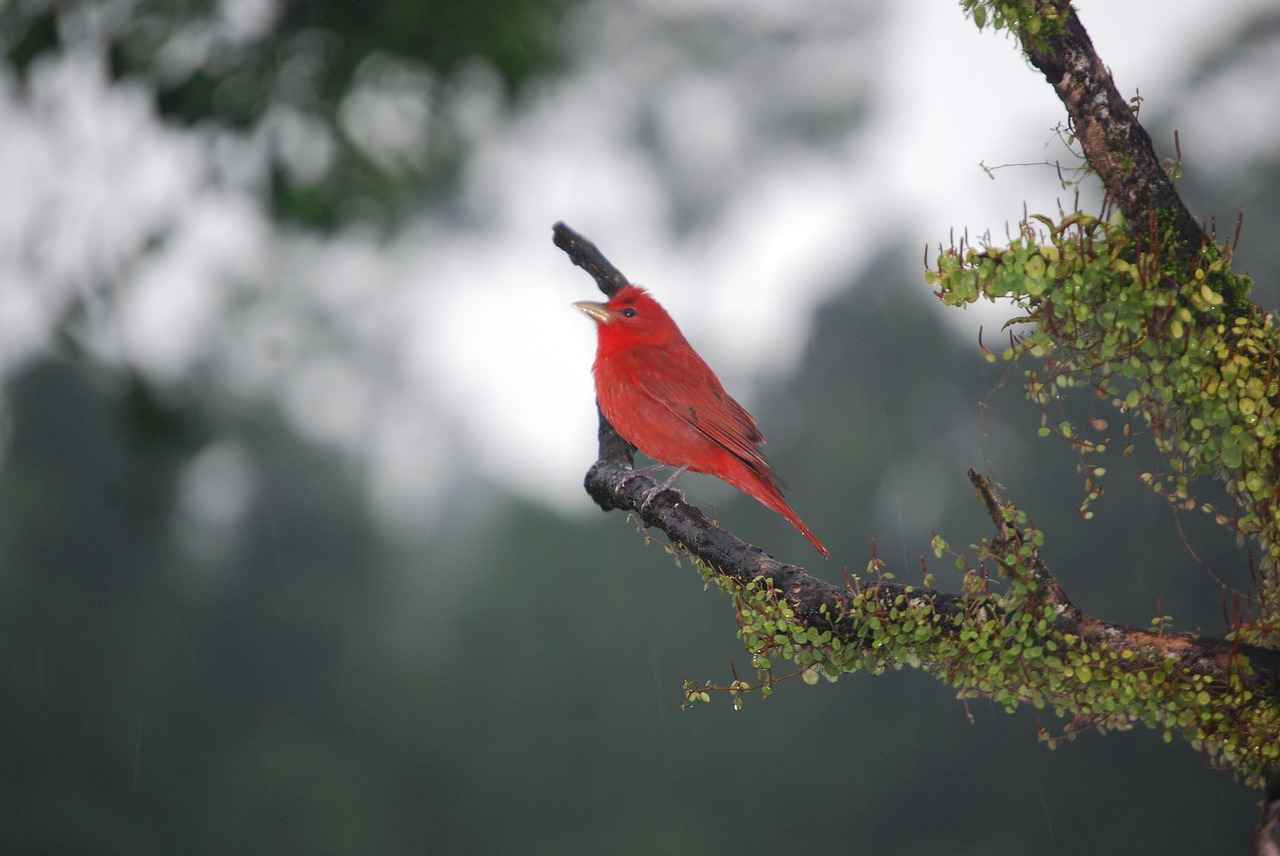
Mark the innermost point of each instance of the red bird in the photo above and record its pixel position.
(665, 400)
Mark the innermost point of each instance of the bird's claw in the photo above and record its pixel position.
(647, 497)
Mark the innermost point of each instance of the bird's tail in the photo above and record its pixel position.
(762, 487)
(794, 519)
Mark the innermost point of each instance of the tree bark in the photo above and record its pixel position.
(1115, 144)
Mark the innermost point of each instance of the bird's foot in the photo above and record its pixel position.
(649, 494)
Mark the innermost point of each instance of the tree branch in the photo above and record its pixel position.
(1150, 306)
(585, 255)
(1267, 842)
(1114, 142)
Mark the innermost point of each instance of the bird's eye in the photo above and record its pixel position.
(628, 313)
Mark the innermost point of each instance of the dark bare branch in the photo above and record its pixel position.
(585, 255)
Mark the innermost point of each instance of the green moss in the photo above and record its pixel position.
(1173, 343)
(1012, 647)
(1171, 340)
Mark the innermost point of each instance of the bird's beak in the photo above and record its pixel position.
(599, 313)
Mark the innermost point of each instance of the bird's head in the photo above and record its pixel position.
(631, 317)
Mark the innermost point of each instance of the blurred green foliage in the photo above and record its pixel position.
(231, 62)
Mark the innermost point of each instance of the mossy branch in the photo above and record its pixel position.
(1140, 307)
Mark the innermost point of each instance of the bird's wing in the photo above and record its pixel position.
(688, 387)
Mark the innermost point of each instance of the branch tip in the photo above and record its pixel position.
(587, 256)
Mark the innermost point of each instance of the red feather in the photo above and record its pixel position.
(666, 401)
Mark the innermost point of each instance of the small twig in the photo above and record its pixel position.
(1013, 537)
